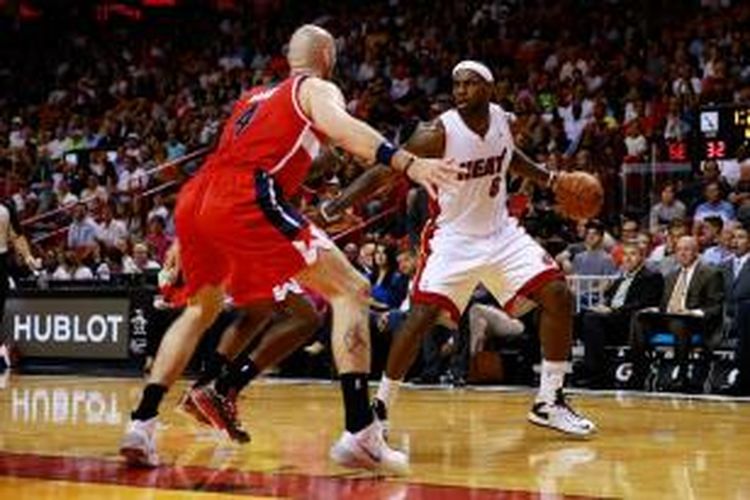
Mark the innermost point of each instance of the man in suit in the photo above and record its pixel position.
(610, 321)
(692, 303)
(737, 286)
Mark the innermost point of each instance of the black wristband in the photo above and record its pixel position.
(385, 153)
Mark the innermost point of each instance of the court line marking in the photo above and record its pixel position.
(234, 481)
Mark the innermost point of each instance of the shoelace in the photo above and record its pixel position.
(561, 400)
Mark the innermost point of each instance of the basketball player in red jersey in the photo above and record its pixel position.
(471, 238)
(238, 234)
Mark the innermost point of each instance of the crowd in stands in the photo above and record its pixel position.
(592, 85)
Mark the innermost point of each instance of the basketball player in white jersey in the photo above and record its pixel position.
(471, 239)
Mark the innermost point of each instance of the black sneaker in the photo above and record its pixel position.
(220, 411)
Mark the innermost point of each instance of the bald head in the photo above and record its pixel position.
(686, 250)
(312, 49)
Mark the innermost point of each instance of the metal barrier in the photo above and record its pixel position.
(589, 290)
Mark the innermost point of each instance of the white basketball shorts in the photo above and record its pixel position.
(509, 263)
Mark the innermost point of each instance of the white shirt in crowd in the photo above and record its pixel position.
(160, 211)
(637, 145)
(112, 232)
(132, 181)
(68, 199)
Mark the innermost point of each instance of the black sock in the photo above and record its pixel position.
(356, 401)
(238, 376)
(150, 401)
(212, 369)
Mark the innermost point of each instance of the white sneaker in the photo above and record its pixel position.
(367, 450)
(560, 416)
(138, 445)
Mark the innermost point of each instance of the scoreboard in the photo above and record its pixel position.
(723, 130)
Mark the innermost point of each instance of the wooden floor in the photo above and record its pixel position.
(59, 436)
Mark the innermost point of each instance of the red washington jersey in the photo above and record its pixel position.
(268, 131)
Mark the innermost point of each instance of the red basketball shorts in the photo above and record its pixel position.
(236, 230)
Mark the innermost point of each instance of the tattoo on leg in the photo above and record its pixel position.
(353, 339)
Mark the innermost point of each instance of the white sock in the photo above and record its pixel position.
(552, 379)
(387, 390)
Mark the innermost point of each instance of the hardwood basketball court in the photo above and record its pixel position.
(59, 437)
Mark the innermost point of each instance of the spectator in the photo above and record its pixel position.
(159, 209)
(81, 271)
(720, 248)
(83, 231)
(351, 250)
(64, 197)
(111, 230)
(662, 257)
(636, 145)
(142, 260)
(132, 178)
(710, 172)
(628, 234)
(668, 209)
(692, 303)
(94, 192)
(708, 231)
(65, 267)
(737, 283)
(714, 204)
(389, 286)
(365, 261)
(610, 322)
(594, 260)
(157, 238)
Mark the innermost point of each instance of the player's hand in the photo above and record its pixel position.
(435, 174)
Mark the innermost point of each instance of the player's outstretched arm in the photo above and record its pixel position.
(579, 195)
(524, 166)
(323, 102)
(428, 140)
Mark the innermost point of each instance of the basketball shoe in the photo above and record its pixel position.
(367, 449)
(220, 411)
(186, 406)
(560, 416)
(138, 445)
(381, 416)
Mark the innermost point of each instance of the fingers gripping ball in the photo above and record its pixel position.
(579, 195)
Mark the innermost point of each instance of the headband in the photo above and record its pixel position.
(477, 67)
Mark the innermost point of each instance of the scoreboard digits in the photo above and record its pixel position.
(723, 130)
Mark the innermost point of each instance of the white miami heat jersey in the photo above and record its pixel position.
(478, 205)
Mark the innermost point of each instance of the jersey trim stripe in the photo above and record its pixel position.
(282, 163)
(295, 98)
(421, 297)
(271, 201)
(534, 284)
